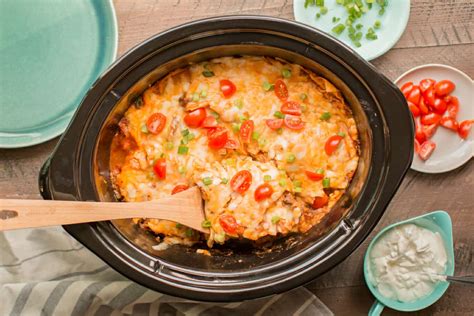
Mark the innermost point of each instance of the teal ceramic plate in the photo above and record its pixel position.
(51, 52)
(393, 23)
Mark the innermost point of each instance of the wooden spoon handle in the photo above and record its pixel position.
(16, 214)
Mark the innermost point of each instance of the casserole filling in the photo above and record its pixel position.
(271, 145)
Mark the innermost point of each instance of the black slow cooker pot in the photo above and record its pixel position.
(78, 169)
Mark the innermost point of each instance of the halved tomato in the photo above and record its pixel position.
(449, 123)
(156, 123)
(453, 106)
(429, 130)
(263, 192)
(419, 133)
(195, 118)
(241, 181)
(444, 87)
(332, 144)
(320, 201)
(429, 97)
(246, 130)
(439, 106)
(406, 88)
(431, 118)
(227, 88)
(425, 84)
(228, 224)
(281, 90)
(293, 122)
(414, 95)
(315, 176)
(160, 168)
(414, 109)
(423, 107)
(291, 107)
(217, 137)
(274, 124)
(179, 188)
(426, 149)
(465, 128)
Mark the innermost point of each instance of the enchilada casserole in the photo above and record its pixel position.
(271, 145)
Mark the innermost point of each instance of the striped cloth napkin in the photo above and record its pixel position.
(46, 272)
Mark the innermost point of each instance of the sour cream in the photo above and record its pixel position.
(406, 262)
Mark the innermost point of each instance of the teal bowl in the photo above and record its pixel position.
(438, 221)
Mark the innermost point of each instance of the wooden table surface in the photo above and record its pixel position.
(438, 32)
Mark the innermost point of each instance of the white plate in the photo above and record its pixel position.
(451, 150)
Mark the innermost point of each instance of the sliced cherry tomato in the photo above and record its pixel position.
(293, 122)
(426, 149)
(195, 118)
(429, 97)
(241, 181)
(453, 106)
(160, 168)
(217, 137)
(263, 192)
(425, 84)
(423, 107)
(156, 123)
(246, 130)
(465, 128)
(439, 106)
(429, 130)
(431, 118)
(281, 90)
(274, 124)
(180, 188)
(320, 201)
(414, 95)
(417, 146)
(314, 175)
(291, 107)
(406, 88)
(419, 133)
(414, 109)
(444, 87)
(227, 88)
(209, 122)
(449, 123)
(231, 144)
(332, 144)
(228, 224)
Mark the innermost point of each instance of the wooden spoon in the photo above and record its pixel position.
(184, 208)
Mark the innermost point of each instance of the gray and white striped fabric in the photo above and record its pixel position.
(46, 272)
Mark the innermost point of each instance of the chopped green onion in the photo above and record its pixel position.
(377, 24)
(338, 29)
(298, 189)
(236, 127)
(267, 178)
(224, 180)
(178, 226)
(286, 73)
(326, 183)
(320, 3)
(144, 129)
(382, 11)
(357, 44)
(181, 169)
(318, 15)
(255, 135)
(208, 73)
(220, 238)
(207, 180)
(320, 171)
(282, 183)
(189, 137)
(275, 219)
(206, 224)
(195, 97)
(267, 86)
(297, 183)
(184, 141)
(291, 158)
(185, 132)
(342, 134)
(359, 26)
(335, 19)
(323, 10)
(303, 96)
(189, 232)
(370, 35)
(239, 103)
(278, 114)
(183, 150)
(325, 116)
(309, 2)
(203, 93)
(215, 114)
(169, 145)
